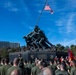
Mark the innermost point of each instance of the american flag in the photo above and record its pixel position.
(47, 8)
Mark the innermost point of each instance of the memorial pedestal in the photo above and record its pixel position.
(31, 55)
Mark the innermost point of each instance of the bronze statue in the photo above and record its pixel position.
(37, 39)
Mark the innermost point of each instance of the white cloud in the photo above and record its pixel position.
(13, 9)
(68, 5)
(50, 32)
(66, 23)
(27, 26)
(37, 5)
(10, 6)
(39, 11)
(71, 3)
(7, 4)
(67, 42)
(70, 25)
(60, 22)
(25, 9)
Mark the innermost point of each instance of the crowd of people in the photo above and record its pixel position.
(56, 66)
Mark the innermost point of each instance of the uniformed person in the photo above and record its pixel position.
(5, 67)
(14, 70)
(68, 67)
(62, 70)
(52, 66)
(58, 69)
(73, 69)
(46, 71)
(42, 65)
(2, 64)
(34, 69)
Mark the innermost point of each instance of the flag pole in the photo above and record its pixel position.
(41, 13)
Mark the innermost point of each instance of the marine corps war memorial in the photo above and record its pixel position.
(38, 46)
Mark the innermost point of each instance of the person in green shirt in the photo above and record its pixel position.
(14, 70)
(2, 64)
(35, 68)
(25, 63)
(2, 61)
(42, 66)
(33, 65)
(52, 66)
(38, 71)
(73, 69)
(46, 71)
(27, 68)
(62, 70)
(58, 69)
(29, 64)
(5, 67)
(68, 67)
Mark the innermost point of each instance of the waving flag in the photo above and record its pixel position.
(70, 55)
(47, 8)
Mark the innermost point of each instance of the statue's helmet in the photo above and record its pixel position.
(36, 28)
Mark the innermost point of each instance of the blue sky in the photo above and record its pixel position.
(18, 18)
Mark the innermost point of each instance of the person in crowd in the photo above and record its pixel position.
(61, 59)
(2, 64)
(62, 70)
(22, 67)
(68, 67)
(27, 67)
(52, 66)
(2, 61)
(25, 63)
(35, 68)
(14, 70)
(5, 67)
(38, 67)
(58, 62)
(58, 69)
(46, 71)
(73, 68)
(56, 58)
